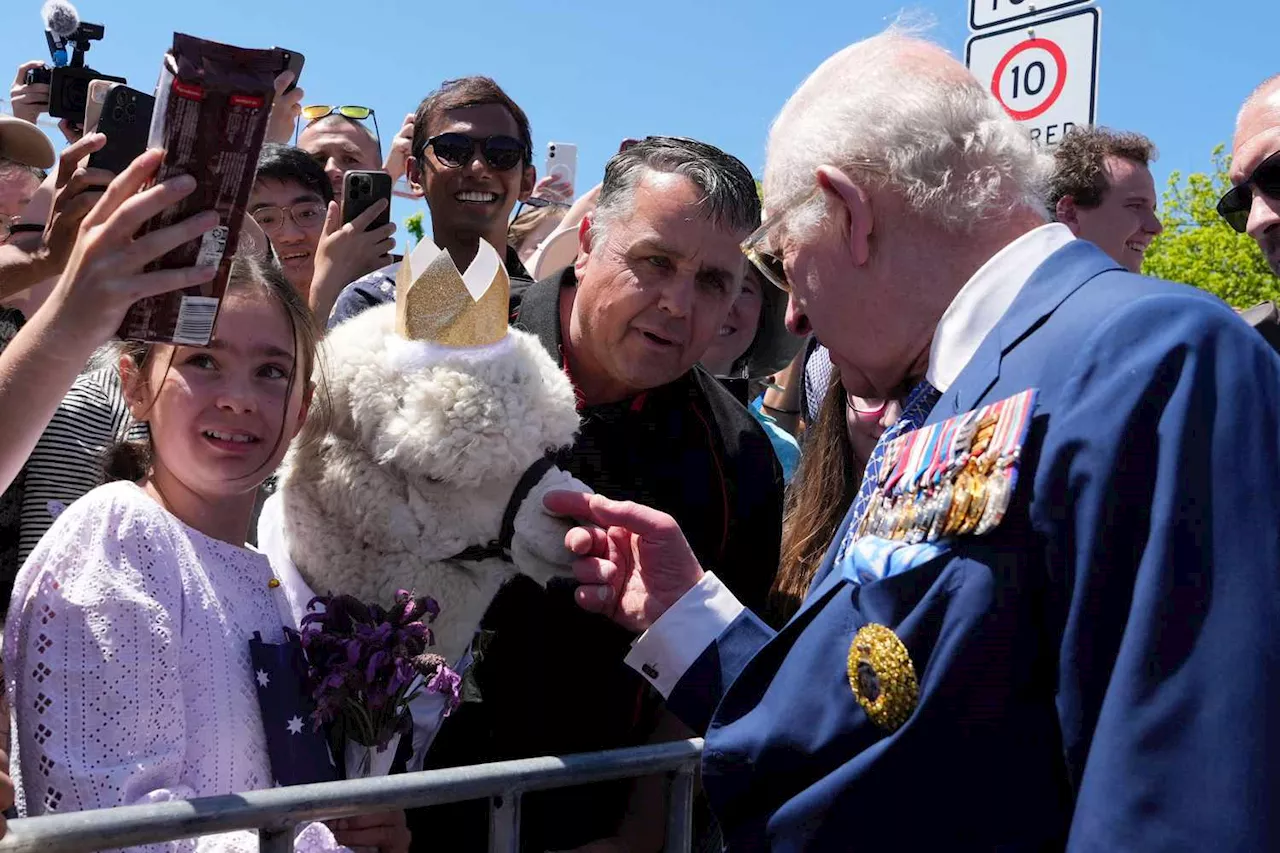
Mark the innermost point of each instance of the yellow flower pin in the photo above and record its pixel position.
(882, 676)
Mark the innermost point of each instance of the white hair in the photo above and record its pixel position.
(888, 112)
(1268, 89)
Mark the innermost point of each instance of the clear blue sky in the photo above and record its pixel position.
(596, 73)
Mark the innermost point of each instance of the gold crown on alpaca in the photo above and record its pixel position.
(437, 304)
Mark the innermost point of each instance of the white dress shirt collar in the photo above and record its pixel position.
(985, 298)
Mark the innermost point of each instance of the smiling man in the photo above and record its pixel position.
(1103, 191)
(472, 150)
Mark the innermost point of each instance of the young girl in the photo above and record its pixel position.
(127, 644)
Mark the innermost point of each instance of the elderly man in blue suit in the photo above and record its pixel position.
(1052, 618)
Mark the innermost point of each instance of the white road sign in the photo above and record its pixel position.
(990, 13)
(1044, 74)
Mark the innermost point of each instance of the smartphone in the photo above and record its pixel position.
(93, 104)
(293, 61)
(562, 162)
(360, 190)
(126, 121)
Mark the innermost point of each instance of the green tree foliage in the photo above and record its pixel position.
(413, 224)
(1198, 248)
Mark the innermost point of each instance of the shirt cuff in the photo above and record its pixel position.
(664, 653)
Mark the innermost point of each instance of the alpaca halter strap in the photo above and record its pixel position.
(501, 547)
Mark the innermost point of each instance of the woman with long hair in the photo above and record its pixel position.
(836, 449)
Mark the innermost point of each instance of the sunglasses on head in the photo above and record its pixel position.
(538, 204)
(455, 150)
(1238, 201)
(315, 112)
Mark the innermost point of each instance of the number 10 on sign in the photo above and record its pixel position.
(1045, 76)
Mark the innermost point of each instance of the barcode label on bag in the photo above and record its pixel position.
(195, 320)
(212, 246)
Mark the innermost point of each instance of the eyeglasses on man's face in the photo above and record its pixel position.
(762, 250)
(307, 215)
(455, 150)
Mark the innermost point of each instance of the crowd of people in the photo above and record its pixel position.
(1094, 666)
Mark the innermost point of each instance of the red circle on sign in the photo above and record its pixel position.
(1050, 47)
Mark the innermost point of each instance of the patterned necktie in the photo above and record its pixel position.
(915, 411)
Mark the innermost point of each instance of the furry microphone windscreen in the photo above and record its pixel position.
(60, 18)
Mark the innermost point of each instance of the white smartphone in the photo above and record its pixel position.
(562, 162)
(94, 101)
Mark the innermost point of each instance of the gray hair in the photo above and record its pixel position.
(729, 196)
(887, 111)
(13, 167)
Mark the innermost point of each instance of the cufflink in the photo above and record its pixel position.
(650, 671)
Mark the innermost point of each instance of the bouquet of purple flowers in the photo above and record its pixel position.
(365, 664)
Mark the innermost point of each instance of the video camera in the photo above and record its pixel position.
(69, 77)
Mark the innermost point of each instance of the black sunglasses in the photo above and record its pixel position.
(1238, 201)
(456, 149)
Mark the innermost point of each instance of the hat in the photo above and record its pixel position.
(23, 142)
(555, 255)
(435, 304)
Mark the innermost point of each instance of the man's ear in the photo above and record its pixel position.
(528, 180)
(413, 175)
(1066, 212)
(856, 203)
(584, 246)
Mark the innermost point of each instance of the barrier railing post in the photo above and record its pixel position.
(275, 840)
(680, 811)
(504, 823)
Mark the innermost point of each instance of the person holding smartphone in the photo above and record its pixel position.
(472, 162)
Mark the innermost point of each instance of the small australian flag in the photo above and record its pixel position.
(299, 754)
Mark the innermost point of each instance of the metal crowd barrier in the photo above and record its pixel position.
(276, 812)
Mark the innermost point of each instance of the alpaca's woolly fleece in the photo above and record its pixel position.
(402, 465)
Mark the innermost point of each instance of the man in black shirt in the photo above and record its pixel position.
(472, 161)
(658, 270)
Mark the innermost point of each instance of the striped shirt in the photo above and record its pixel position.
(67, 461)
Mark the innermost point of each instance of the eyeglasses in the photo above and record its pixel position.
(455, 150)
(1238, 201)
(757, 249)
(315, 112)
(9, 225)
(538, 204)
(866, 408)
(307, 215)
(6, 227)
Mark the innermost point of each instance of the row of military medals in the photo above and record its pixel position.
(952, 478)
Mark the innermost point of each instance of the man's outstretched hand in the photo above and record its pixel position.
(633, 561)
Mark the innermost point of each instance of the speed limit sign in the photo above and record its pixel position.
(1045, 74)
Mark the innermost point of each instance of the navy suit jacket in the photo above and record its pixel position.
(1101, 671)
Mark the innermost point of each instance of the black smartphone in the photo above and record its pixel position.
(293, 61)
(126, 121)
(360, 190)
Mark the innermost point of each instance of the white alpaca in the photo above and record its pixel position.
(410, 457)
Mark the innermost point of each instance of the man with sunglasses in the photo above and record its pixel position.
(472, 162)
(339, 141)
(1051, 618)
(1253, 204)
